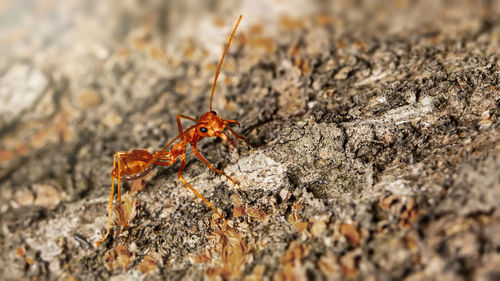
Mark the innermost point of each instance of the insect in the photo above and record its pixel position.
(137, 163)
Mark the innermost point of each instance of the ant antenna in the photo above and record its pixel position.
(222, 59)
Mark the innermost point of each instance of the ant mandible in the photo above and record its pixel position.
(137, 163)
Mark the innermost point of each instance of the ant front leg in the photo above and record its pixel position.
(198, 154)
(236, 134)
(227, 139)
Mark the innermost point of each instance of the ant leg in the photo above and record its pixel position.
(110, 205)
(227, 139)
(179, 125)
(124, 223)
(198, 154)
(165, 157)
(109, 213)
(116, 163)
(179, 174)
(238, 136)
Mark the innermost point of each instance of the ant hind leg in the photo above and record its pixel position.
(110, 205)
(111, 194)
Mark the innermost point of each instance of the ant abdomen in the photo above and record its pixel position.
(134, 165)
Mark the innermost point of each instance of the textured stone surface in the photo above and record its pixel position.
(374, 124)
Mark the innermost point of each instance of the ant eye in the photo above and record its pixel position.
(203, 130)
(215, 113)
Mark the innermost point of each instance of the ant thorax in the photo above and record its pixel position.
(178, 148)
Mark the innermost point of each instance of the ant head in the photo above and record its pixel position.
(210, 124)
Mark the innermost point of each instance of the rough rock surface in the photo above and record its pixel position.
(374, 124)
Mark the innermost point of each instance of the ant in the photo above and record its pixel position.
(137, 163)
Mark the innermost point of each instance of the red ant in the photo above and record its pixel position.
(137, 163)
